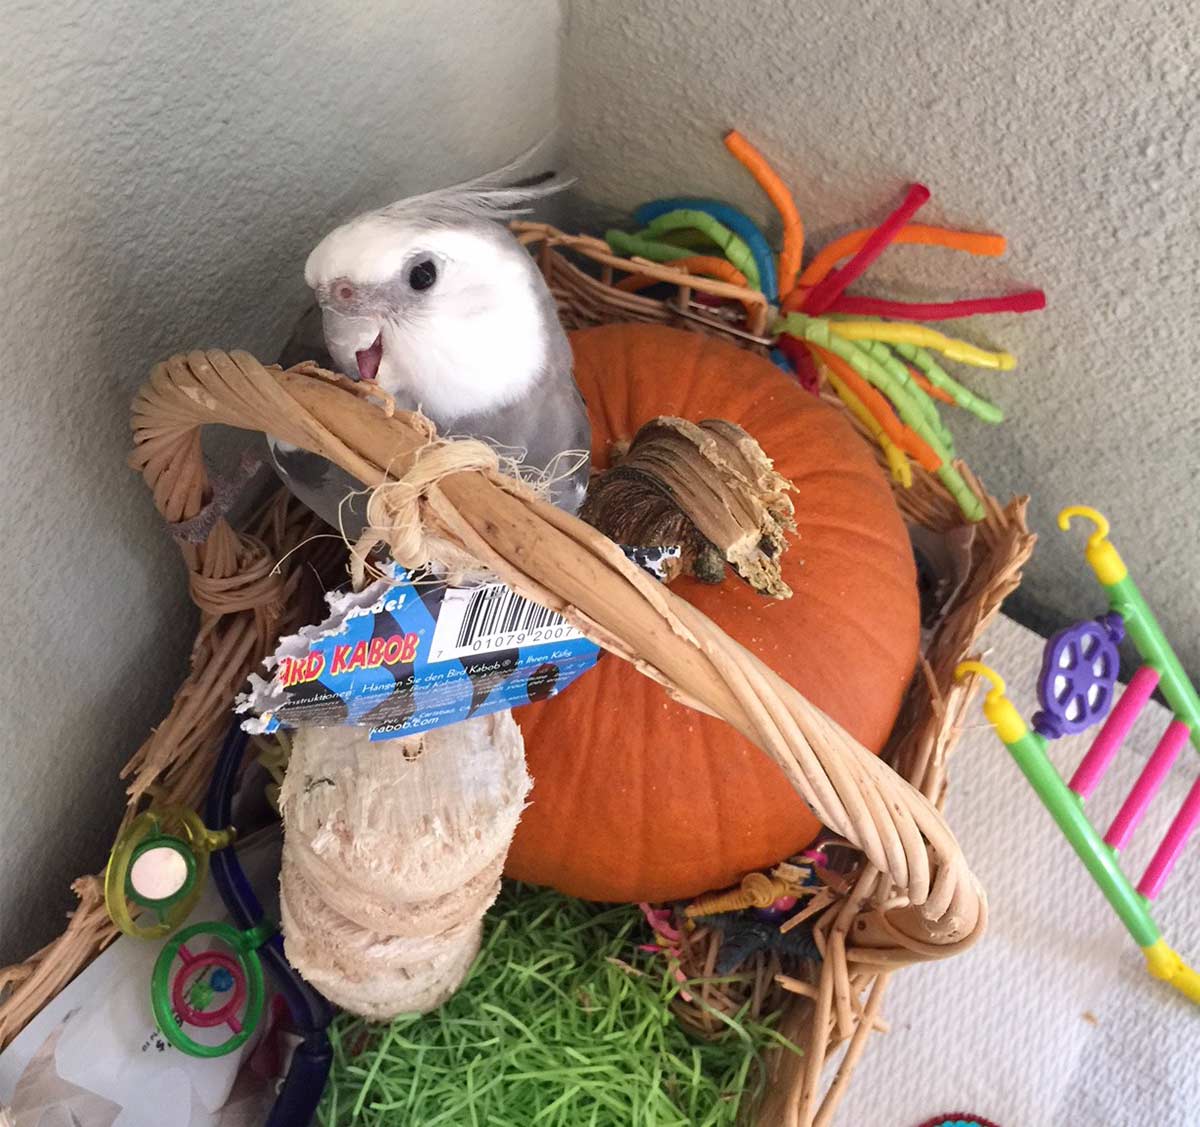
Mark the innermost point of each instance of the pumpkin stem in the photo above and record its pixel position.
(707, 488)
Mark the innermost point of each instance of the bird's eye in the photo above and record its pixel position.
(423, 274)
(344, 291)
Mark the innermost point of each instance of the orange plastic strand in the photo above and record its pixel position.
(985, 246)
(702, 266)
(904, 437)
(768, 180)
(928, 388)
(705, 265)
(635, 282)
(712, 267)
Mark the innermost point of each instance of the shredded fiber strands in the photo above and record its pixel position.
(561, 1022)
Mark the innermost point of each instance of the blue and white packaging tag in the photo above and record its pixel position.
(406, 655)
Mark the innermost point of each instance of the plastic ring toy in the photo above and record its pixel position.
(232, 979)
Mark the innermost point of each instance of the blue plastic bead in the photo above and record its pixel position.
(221, 980)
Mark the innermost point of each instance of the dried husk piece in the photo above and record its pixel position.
(706, 487)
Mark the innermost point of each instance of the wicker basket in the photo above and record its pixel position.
(254, 585)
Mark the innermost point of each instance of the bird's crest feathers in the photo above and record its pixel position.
(371, 246)
(490, 196)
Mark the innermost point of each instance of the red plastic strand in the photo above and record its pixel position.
(1028, 301)
(802, 362)
(827, 292)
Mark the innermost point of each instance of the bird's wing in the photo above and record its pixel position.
(337, 498)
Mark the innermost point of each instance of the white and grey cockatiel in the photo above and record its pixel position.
(434, 300)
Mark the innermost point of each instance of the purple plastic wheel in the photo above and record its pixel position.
(1079, 672)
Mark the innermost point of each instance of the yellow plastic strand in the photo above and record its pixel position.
(897, 461)
(891, 332)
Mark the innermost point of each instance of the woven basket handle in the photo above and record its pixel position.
(564, 564)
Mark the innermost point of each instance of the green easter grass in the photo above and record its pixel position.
(561, 1023)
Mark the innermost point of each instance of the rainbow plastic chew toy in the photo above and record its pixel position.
(1075, 691)
(159, 863)
(885, 372)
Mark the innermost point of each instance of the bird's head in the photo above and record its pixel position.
(434, 299)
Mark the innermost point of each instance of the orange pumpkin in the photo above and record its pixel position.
(636, 797)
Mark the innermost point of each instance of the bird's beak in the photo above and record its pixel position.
(356, 343)
(368, 359)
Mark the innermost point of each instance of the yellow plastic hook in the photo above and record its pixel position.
(1002, 714)
(964, 669)
(1087, 513)
(1101, 554)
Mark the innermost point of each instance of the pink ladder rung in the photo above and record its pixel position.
(1172, 845)
(1156, 770)
(1100, 755)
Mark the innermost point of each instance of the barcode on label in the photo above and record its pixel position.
(480, 620)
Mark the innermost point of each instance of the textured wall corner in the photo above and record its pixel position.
(1072, 129)
(164, 173)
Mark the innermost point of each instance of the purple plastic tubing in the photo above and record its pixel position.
(1172, 845)
(1157, 768)
(1113, 734)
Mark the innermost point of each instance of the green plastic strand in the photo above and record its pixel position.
(925, 363)
(882, 355)
(622, 242)
(734, 248)
(694, 241)
(971, 505)
(816, 330)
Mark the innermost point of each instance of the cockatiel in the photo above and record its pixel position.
(433, 299)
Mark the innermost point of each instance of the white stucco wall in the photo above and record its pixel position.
(1072, 128)
(163, 170)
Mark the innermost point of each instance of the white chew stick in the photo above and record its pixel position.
(392, 854)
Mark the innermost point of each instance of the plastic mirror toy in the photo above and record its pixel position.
(159, 863)
(1075, 690)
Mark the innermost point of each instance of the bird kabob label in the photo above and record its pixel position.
(405, 656)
